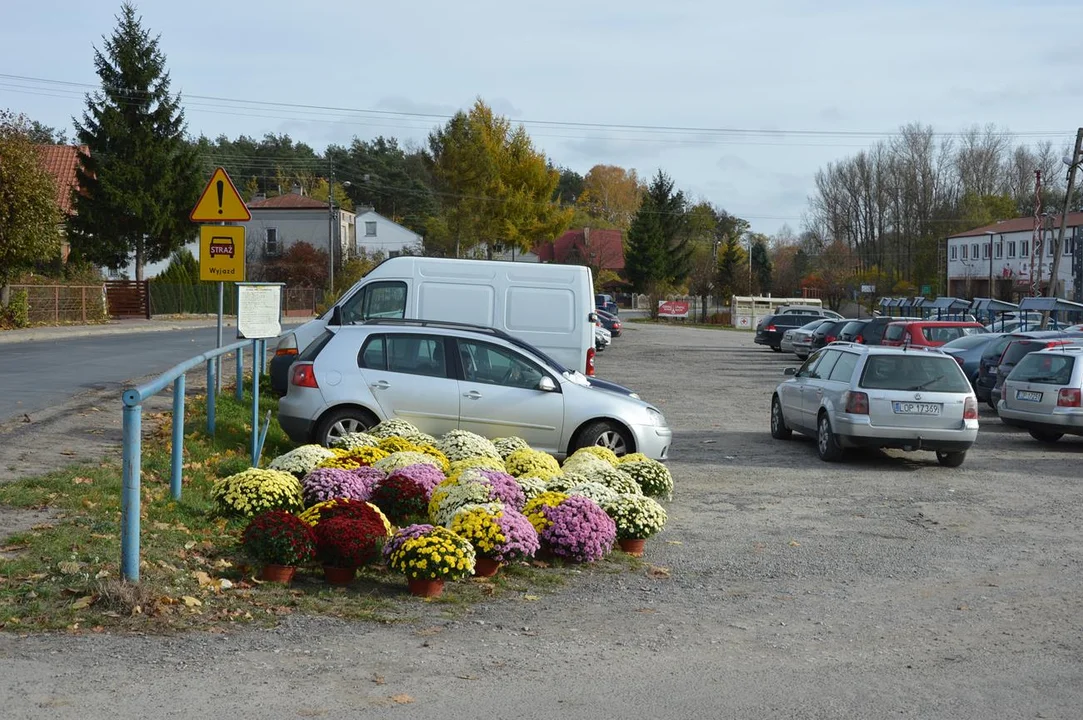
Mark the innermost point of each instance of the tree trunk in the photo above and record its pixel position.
(5, 294)
(139, 262)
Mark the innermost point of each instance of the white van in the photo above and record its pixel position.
(547, 305)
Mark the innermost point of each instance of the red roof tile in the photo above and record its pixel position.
(60, 161)
(599, 248)
(289, 201)
(1023, 224)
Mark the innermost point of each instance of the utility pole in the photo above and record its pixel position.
(1058, 244)
(331, 227)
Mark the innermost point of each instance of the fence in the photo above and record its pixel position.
(128, 298)
(64, 303)
(299, 301)
(195, 299)
(132, 428)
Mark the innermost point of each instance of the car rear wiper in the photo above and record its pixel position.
(924, 385)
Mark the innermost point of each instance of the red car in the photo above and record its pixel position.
(929, 333)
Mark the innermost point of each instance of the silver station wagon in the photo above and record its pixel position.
(849, 395)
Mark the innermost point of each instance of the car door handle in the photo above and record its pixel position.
(472, 395)
(381, 385)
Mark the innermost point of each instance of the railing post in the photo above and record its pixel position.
(262, 356)
(210, 397)
(255, 408)
(129, 499)
(175, 479)
(239, 393)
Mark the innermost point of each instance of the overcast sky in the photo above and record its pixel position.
(850, 66)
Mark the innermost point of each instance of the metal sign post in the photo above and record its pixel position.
(259, 317)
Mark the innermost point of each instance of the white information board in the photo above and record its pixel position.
(259, 310)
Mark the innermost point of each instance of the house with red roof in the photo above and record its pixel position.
(61, 161)
(1014, 255)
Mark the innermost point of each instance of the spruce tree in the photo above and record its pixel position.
(671, 208)
(141, 176)
(646, 262)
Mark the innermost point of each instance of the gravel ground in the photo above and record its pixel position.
(784, 587)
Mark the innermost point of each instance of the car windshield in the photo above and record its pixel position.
(854, 327)
(966, 342)
(1045, 368)
(916, 371)
(1021, 348)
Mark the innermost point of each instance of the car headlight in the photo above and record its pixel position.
(656, 417)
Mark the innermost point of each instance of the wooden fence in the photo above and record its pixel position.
(58, 304)
(128, 298)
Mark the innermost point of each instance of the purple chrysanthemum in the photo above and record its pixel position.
(330, 483)
(520, 537)
(406, 533)
(504, 488)
(427, 476)
(580, 530)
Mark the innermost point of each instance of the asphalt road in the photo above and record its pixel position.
(41, 374)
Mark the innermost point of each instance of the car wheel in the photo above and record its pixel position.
(342, 422)
(1046, 437)
(827, 443)
(951, 459)
(991, 404)
(776, 348)
(779, 430)
(605, 434)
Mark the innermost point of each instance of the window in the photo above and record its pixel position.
(1046, 369)
(271, 247)
(416, 355)
(1011, 248)
(895, 332)
(372, 354)
(823, 369)
(844, 368)
(394, 253)
(1024, 248)
(974, 250)
(493, 365)
(964, 252)
(370, 228)
(1068, 246)
(999, 250)
(954, 252)
(985, 251)
(376, 300)
(914, 372)
(807, 369)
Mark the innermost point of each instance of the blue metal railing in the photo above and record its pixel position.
(132, 462)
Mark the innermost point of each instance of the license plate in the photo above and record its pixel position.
(913, 408)
(1028, 395)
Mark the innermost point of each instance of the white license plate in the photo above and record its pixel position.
(914, 408)
(1028, 395)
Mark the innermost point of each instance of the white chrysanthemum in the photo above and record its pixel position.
(302, 460)
(593, 490)
(354, 440)
(399, 460)
(462, 444)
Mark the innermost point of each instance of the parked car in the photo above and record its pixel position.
(852, 331)
(968, 350)
(850, 395)
(827, 333)
(808, 310)
(547, 304)
(873, 332)
(770, 328)
(443, 376)
(1019, 348)
(802, 337)
(607, 303)
(1043, 393)
(602, 337)
(787, 340)
(987, 368)
(928, 333)
(610, 322)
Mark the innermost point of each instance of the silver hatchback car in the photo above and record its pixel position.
(851, 395)
(444, 376)
(1043, 394)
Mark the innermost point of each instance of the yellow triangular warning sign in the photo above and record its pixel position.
(220, 202)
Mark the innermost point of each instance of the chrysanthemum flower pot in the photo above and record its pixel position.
(278, 573)
(339, 575)
(486, 567)
(425, 587)
(632, 546)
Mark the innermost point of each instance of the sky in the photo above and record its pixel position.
(740, 102)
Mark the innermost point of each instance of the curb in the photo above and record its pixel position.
(75, 331)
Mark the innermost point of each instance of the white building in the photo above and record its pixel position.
(279, 222)
(1006, 251)
(375, 233)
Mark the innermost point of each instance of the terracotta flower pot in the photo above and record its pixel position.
(425, 587)
(339, 575)
(278, 573)
(632, 546)
(486, 567)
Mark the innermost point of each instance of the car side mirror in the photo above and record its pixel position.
(336, 315)
(592, 317)
(546, 384)
(790, 371)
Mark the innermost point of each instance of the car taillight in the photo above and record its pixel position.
(303, 375)
(958, 359)
(1068, 397)
(857, 403)
(770, 328)
(970, 409)
(830, 339)
(590, 362)
(287, 345)
(859, 339)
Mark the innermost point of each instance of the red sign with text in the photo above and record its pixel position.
(673, 308)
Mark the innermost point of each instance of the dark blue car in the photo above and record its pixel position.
(607, 303)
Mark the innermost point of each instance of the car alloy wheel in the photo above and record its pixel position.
(779, 431)
(826, 443)
(604, 434)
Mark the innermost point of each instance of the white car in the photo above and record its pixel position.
(443, 376)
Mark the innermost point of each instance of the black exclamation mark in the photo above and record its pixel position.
(221, 186)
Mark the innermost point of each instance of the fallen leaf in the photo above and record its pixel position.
(70, 453)
(189, 545)
(674, 542)
(794, 543)
(166, 566)
(191, 601)
(468, 677)
(160, 526)
(84, 602)
(101, 574)
(531, 598)
(658, 572)
(222, 563)
(378, 679)
(224, 584)
(88, 504)
(402, 699)
(43, 526)
(69, 567)
(82, 481)
(13, 548)
(110, 613)
(203, 578)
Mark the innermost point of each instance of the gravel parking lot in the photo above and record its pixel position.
(784, 587)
